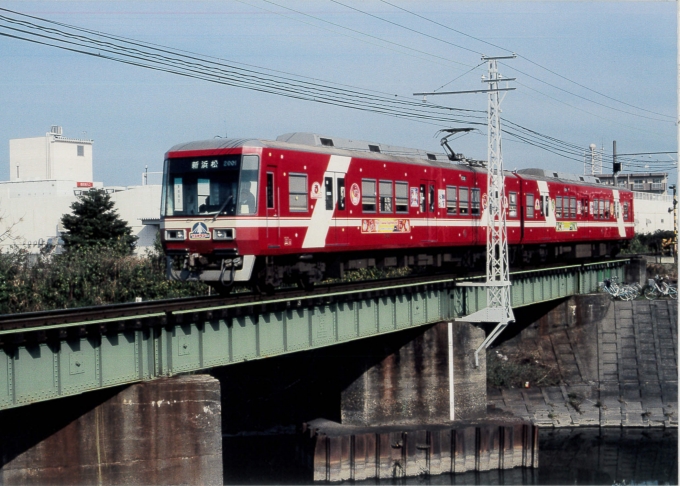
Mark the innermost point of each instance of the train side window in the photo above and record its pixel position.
(297, 192)
(270, 190)
(558, 207)
(607, 208)
(512, 209)
(475, 202)
(463, 200)
(584, 207)
(328, 193)
(573, 208)
(602, 208)
(368, 195)
(423, 202)
(625, 211)
(385, 196)
(401, 193)
(617, 209)
(451, 199)
(530, 205)
(341, 193)
(432, 198)
(596, 206)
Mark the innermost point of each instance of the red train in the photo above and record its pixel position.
(306, 207)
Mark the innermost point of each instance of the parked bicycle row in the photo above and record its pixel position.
(656, 287)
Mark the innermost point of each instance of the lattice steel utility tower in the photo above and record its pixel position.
(498, 305)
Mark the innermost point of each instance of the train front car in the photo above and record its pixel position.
(211, 191)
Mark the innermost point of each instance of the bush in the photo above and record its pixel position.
(85, 276)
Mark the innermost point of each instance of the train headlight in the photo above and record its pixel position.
(175, 235)
(224, 234)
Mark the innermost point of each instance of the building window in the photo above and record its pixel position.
(451, 199)
(81, 150)
(401, 193)
(368, 195)
(298, 192)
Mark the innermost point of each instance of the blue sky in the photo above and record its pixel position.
(626, 50)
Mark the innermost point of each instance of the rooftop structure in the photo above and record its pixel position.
(51, 157)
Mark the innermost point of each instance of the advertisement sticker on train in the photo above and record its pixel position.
(414, 197)
(441, 198)
(355, 194)
(316, 191)
(385, 226)
(566, 226)
(199, 231)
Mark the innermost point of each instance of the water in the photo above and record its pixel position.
(582, 456)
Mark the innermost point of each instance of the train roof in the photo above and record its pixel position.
(312, 142)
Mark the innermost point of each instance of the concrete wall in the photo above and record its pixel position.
(652, 214)
(50, 157)
(160, 432)
(32, 211)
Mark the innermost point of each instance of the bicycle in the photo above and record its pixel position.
(658, 287)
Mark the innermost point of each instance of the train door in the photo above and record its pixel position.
(334, 199)
(272, 207)
(428, 209)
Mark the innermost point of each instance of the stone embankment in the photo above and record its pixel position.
(617, 362)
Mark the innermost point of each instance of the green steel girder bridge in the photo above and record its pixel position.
(54, 360)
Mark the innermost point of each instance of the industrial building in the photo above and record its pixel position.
(47, 174)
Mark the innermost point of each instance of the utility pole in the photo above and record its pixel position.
(498, 305)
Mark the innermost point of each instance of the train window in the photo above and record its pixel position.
(607, 208)
(530, 205)
(596, 206)
(341, 193)
(401, 193)
(475, 201)
(432, 198)
(601, 208)
(247, 191)
(625, 211)
(584, 207)
(328, 193)
(270, 190)
(558, 207)
(463, 200)
(573, 208)
(423, 202)
(451, 199)
(297, 190)
(512, 200)
(617, 209)
(385, 196)
(368, 195)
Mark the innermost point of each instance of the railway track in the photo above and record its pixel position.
(161, 312)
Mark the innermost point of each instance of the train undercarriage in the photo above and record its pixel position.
(265, 273)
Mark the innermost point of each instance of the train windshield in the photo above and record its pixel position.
(211, 185)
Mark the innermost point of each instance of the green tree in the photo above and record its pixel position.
(94, 222)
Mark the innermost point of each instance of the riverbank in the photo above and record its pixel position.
(616, 365)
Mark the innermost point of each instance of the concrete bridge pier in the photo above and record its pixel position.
(166, 431)
(429, 380)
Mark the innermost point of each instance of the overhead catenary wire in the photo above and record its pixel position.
(197, 66)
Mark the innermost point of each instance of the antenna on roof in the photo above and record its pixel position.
(453, 157)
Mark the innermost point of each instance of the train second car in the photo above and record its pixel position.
(305, 207)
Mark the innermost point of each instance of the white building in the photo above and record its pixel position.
(47, 176)
(52, 157)
(652, 212)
